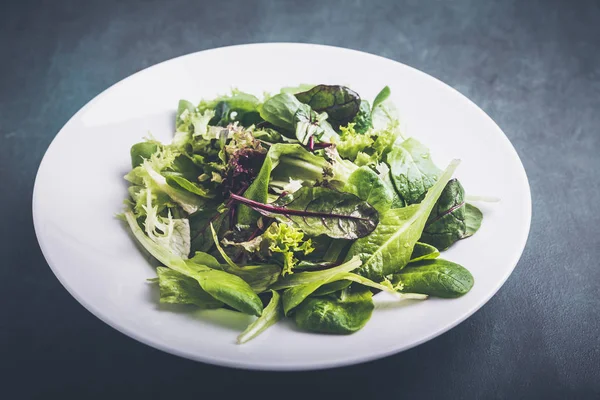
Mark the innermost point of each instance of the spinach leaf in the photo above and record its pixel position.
(447, 222)
(362, 120)
(280, 110)
(423, 251)
(370, 187)
(257, 191)
(389, 247)
(345, 314)
(238, 106)
(437, 277)
(473, 218)
(141, 151)
(412, 170)
(176, 288)
(381, 97)
(320, 211)
(339, 102)
(270, 315)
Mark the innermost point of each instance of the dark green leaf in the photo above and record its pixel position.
(473, 218)
(338, 315)
(321, 211)
(180, 182)
(339, 102)
(437, 277)
(362, 120)
(231, 290)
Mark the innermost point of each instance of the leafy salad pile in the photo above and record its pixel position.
(301, 205)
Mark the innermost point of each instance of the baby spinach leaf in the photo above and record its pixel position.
(280, 110)
(339, 102)
(257, 191)
(362, 120)
(370, 187)
(338, 315)
(381, 96)
(270, 315)
(437, 277)
(423, 251)
(412, 170)
(389, 247)
(473, 218)
(447, 222)
(176, 288)
(320, 211)
(141, 151)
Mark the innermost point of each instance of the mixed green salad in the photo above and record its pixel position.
(303, 205)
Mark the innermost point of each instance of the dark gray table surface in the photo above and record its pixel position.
(533, 66)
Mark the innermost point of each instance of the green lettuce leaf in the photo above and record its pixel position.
(176, 288)
(270, 315)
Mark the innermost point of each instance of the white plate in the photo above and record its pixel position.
(79, 189)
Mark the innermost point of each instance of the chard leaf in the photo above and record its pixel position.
(338, 315)
(389, 247)
(176, 288)
(270, 315)
(412, 170)
(321, 211)
(339, 102)
(437, 277)
(225, 287)
(423, 251)
(447, 222)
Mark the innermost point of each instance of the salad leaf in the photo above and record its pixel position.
(389, 247)
(321, 211)
(303, 278)
(287, 240)
(180, 182)
(280, 110)
(473, 218)
(412, 170)
(447, 222)
(437, 277)
(423, 251)
(257, 191)
(227, 288)
(362, 120)
(343, 314)
(259, 277)
(370, 187)
(339, 102)
(176, 288)
(351, 142)
(270, 315)
(238, 106)
(142, 151)
(381, 97)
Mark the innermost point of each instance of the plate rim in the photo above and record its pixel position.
(241, 364)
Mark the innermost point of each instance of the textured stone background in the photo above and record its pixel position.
(533, 66)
